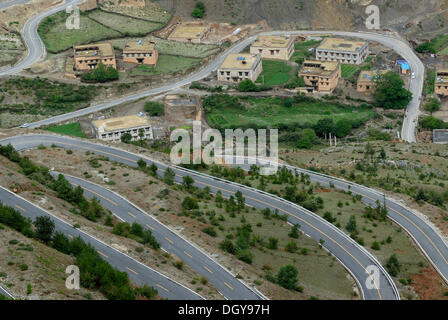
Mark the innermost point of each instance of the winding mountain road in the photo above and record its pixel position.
(428, 239)
(354, 257)
(227, 284)
(138, 272)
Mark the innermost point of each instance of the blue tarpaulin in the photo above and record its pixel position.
(403, 64)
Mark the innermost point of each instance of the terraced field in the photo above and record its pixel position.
(94, 26)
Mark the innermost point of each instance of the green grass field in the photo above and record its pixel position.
(348, 70)
(71, 129)
(57, 37)
(125, 25)
(274, 72)
(166, 65)
(270, 112)
(302, 49)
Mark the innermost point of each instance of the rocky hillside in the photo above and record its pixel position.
(408, 17)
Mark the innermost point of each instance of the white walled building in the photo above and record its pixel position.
(113, 128)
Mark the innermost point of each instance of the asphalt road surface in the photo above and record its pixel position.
(34, 44)
(7, 4)
(374, 285)
(229, 286)
(5, 293)
(425, 236)
(138, 272)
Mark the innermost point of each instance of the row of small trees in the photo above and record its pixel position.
(95, 273)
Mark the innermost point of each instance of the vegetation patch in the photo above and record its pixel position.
(70, 129)
(167, 64)
(274, 72)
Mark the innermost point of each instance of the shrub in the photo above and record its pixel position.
(287, 277)
(245, 255)
(154, 109)
(210, 231)
(273, 243)
(100, 74)
(291, 247)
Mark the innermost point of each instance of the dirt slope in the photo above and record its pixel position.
(406, 16)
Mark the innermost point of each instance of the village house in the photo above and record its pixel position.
(88, 57)
(113, 128)
(366, 80)
(189, 33)
(322, 76)
(141, 52)
(273, 47)
(441, 82)
(343, 51)
(240, 66)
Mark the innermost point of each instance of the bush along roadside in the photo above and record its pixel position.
(95, 273)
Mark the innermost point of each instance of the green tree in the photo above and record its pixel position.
(44, 228)
(291, 247)
(168, 176)
(189, 204)
(153, 169)
(393, 265)
(247, 86)
(294, 232)
(432, 123)
(187, 181)
(100, 74)
(141, 163)
(272, 243)
(432, 105)
(307, 139)
(287, 277)
(324, 127)
(390, 93)
(343, 127)
(199, 10)
(351, 225)
(154, 109)
(126, 137)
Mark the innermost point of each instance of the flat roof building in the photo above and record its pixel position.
(440, 136)
(343, 51)
(113, 128)
(322, 76)
(366, 80)
(88, 57)
(240, 66)
(141, 52)
(441, 82)
(189, 33)
(273, 47)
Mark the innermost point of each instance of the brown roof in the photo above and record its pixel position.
(272, 42)
(140, 46)
(98, 49)
(126, 122)
(370, 75)
(322, 68)
(189, 32)
(341, 44)
(239, 61)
